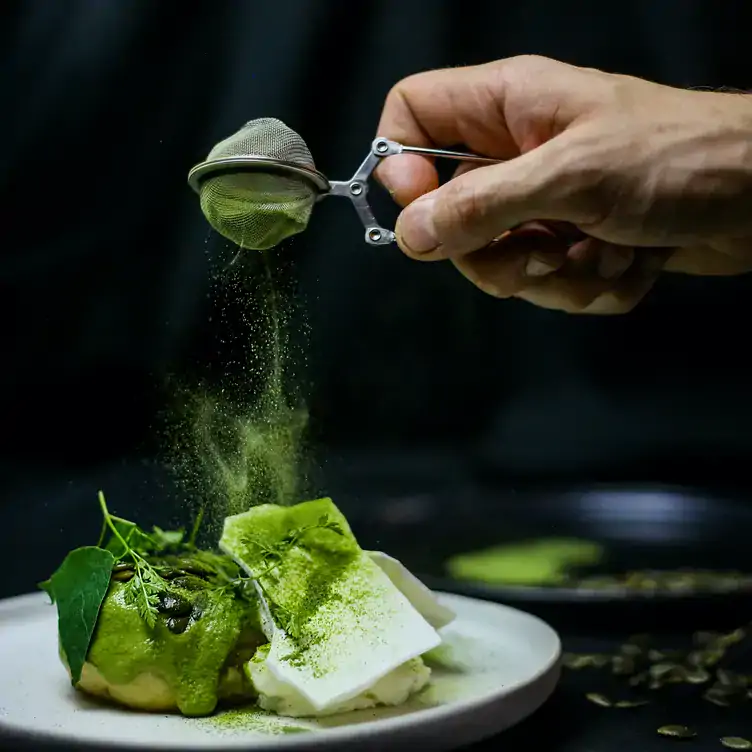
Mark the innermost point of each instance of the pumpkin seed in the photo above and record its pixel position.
(578, 662)
(697, 676)
(677, 732)
(174, 605)
(730, 678)
(736, 742)
(598, 699)
(732, 638)
(622, 665)
(630, 703)
(717, 698)
(631, 649)
(178, 624)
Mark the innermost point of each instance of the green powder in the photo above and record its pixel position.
(253, 719)
(304, 581)
(240, 442)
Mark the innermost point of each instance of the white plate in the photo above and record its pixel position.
(500, 665)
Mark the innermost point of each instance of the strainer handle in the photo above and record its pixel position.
(356, 189)
(385, 148)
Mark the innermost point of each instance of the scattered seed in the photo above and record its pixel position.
(630, 703)
(697, 676)
(716, 698)
(622, 665)
(736, 742)
(732, 638)
(677, 732)
(598, 699)
(631, 649)
(703, 638)
(696, 658)
(731, 679)
(712, 657)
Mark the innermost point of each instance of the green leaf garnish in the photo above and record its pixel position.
(78, 587)
(80, 584)
(129, 538)
(164, 540)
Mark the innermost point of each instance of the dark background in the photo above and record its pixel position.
(105, 256)
(417, 383)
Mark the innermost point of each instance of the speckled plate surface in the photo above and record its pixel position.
(498, 665)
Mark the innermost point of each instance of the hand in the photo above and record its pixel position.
(608, 180)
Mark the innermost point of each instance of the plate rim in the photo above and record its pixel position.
(548, 676)
(536, 594)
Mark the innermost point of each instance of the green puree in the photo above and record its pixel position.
(191, 663)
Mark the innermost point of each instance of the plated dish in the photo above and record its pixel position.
(289, 626)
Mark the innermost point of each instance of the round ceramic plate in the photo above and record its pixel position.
(497, 665)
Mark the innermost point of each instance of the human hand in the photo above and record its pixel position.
(609, 180)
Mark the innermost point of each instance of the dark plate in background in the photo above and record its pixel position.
(640, 528)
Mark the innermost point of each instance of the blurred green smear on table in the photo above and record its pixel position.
(547, 561)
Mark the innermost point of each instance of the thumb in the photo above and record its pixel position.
(475, 208)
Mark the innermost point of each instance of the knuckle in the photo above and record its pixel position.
(528, 61)
(402, 90)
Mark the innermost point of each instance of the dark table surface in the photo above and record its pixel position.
(569, 722)
(63, 506)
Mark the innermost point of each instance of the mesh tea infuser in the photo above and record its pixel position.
(259, 186)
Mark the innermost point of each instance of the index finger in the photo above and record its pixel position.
(441, 108)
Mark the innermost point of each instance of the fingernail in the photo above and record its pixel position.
(415, 226)
(612, 263)
(386, 186)
(537, 268)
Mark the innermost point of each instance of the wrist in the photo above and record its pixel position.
(728, 163)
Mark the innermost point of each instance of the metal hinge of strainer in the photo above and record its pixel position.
(356, 189)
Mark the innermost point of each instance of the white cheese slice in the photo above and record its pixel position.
(279, 697)
(422, 597)
(364, 629)
(368, 629)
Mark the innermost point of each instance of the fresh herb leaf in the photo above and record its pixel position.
(47, 587)
(144, 587)
(164, 540)
(143, 590)
(130, 537)
(190, 544)
(78, 587)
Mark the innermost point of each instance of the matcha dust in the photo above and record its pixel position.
(238, 439)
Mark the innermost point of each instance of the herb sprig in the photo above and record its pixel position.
(272, 556)
(143, 589)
